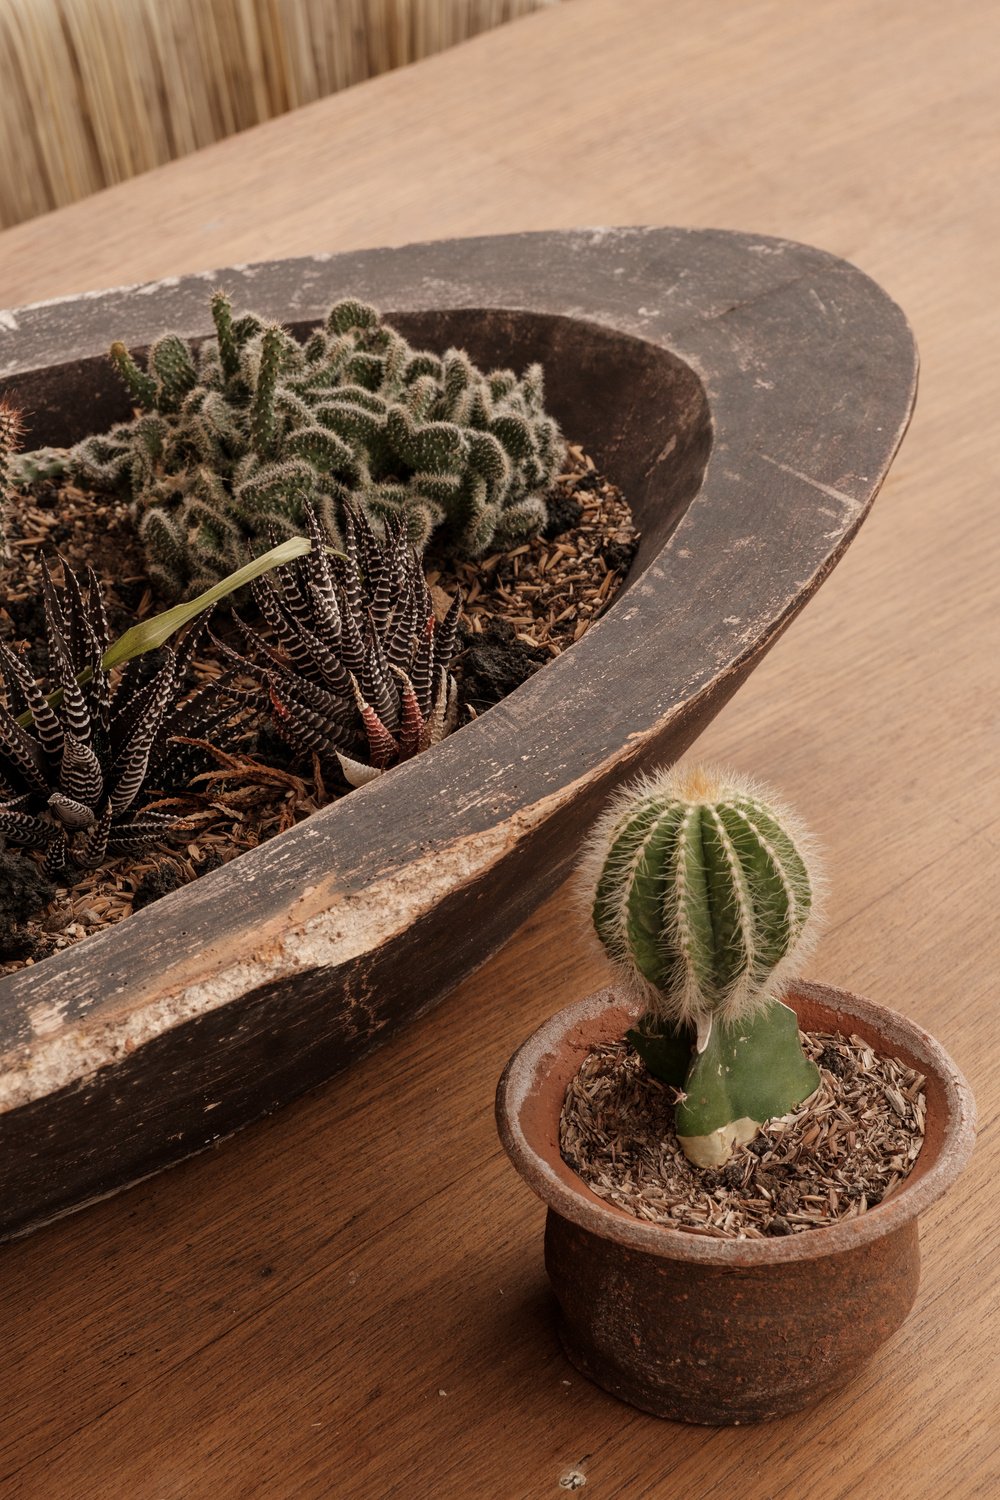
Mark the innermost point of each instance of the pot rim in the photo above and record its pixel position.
(568, 1195)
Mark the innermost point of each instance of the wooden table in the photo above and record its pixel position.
(348, 1300)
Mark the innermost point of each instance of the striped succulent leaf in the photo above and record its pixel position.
(354, 661)
(702, 894)
(80, 753)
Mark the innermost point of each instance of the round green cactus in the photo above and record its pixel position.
(703, 895)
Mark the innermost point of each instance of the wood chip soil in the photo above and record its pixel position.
(843, 1151)
(551, 588)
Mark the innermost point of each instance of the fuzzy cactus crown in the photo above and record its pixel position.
(703, 893)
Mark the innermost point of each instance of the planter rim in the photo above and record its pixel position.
(576, 1202)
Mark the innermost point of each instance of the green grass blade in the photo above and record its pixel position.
(149, 635)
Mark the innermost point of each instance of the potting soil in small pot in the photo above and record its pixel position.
(847, 1148)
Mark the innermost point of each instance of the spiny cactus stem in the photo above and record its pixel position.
(11, 428)
(685, 935)
(222, 316)
(262, 412)
(141, 387)
(740, 888)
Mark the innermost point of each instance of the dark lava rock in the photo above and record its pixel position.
(273, 749)
(27, 623)
(24, 888)
(494, 663)
(589, 481)
(779, 1225)
(24, 892)
(20, 944)
(835, 1062)
(564, 513)
(156, 883)
(619, 555)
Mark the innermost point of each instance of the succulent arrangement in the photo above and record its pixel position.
(702, 893)
(359, 670)
(310, 473)
(78, 763)
(356, 672)
(234, 440)
(353, 661)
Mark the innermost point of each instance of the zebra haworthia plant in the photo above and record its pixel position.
(702, 892)
(358, 672)
(77, 762)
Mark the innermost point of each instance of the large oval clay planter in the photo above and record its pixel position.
(725, 1331)
(747, 394)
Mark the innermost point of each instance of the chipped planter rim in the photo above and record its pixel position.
(533, 1086)
(747, 395)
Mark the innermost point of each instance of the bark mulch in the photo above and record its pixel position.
(838, 1155)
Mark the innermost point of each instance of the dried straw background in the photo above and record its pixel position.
(94, 91)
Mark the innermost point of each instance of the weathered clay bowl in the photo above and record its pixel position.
(747, 394)
(726, 1331)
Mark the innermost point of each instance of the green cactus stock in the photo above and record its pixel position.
(702, 893)
(232, 444)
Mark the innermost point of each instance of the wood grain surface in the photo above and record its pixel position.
(349, 1300)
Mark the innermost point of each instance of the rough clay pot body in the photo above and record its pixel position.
(725, 1331)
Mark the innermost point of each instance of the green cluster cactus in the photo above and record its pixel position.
(233, 442)
(702, 893)
(27, 469)
(10, 437)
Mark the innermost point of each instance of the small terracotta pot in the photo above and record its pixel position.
(700, 1329)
